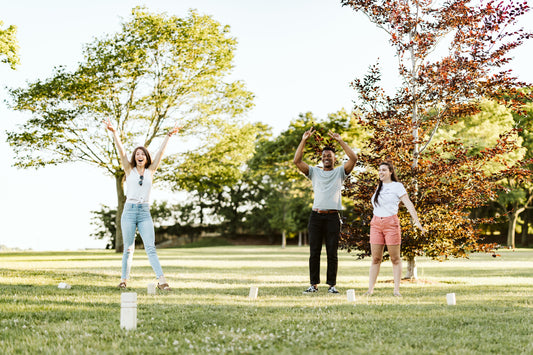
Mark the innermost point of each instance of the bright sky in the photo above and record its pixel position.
(296, 56)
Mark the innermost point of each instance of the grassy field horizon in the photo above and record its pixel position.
(209, 309)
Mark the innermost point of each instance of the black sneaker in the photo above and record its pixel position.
(311, 289)
(332, 289)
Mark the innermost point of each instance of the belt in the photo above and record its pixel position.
(325, 211)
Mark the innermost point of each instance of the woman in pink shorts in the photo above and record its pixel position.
(385, 226)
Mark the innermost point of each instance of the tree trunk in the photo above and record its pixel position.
(300, 238)
(527, 215)
(525, 229)
(512, 225)
(283, 240)
(121, 199)
(411, 262)
(412, 272)
(511, 230)
(201, 204)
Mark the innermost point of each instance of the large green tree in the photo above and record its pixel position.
(520, 191)
(9, 45)
(482, 131)
(158, 70)
(443, 181)
(216, 175)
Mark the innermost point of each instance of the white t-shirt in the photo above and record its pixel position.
(136, 193)
(389, 199)
(327, 186)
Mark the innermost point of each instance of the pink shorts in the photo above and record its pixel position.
(385, 230)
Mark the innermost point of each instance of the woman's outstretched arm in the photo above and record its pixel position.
(121, 152)
(159, 155)
(411, 208)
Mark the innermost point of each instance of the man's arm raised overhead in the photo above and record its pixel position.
(298, 156)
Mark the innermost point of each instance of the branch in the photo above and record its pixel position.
(529, 200)
(430, 138)
(376, 23)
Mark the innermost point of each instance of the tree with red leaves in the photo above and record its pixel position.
(444, 181)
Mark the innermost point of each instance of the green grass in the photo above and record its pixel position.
(209, 310)
(207, 242)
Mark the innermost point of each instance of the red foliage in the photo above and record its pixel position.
(444, 181)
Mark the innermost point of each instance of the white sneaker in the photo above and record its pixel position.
(311, 289)
(332, 289)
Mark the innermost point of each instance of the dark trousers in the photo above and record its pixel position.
(323, 226)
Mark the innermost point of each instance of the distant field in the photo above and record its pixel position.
(209, 310)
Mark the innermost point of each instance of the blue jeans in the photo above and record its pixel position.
(137, 216)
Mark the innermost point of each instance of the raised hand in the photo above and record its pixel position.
(174, 130)
(335, 136)
(308, 133)
(109, 125)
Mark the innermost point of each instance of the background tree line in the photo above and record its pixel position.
(259, 193)
(244, 183)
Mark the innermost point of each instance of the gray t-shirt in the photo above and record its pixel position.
(327, 186)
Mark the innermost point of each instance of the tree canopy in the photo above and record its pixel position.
(443, 179)
(158, 70)
(9, 45)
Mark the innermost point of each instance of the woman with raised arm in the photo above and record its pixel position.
(385, 225)
(136, 215)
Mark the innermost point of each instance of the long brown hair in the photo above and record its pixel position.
(380, 185)
(133, 163)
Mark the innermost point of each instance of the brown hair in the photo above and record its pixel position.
(133, 163)
(380, 185)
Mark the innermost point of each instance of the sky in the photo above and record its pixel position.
(295, 56)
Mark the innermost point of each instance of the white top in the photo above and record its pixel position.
(389, 199)
(327, 186)
(136, 193)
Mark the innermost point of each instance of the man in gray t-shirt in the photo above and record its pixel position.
(324, 222)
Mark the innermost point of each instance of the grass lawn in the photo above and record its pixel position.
(210, 312)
